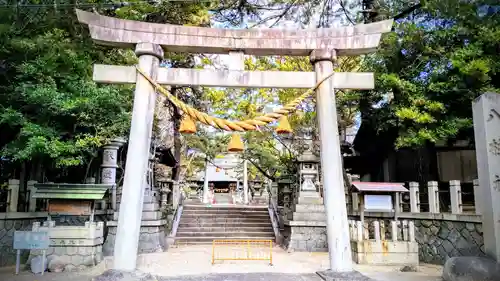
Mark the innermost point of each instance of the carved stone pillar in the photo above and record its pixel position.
(486, 115)
(109, 166)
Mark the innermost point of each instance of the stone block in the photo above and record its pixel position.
(151, 216)
(303, 238)
(309, 208)
(471, 269)
(309, 216)
(309, 200)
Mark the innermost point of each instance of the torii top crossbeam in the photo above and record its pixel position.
(351, 40)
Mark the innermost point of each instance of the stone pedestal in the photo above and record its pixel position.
(306, 231)
(152, 232)
(72, 247)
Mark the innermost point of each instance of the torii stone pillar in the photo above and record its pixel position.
(339, 244)
(129, 220)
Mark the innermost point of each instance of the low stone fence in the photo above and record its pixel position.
(23, 221)
(440, 236)
(9, 223)
(381, 244)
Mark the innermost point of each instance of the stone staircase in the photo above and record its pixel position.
(201, 224)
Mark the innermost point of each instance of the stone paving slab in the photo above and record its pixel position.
(245, 277)
(328, 275)
(186, 263)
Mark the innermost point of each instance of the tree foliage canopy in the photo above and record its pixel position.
(441, 56)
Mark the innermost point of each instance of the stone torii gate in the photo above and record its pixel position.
(321, 45)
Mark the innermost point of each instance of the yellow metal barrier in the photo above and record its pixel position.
(237, 250)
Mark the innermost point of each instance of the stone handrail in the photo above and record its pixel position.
(177, 216)
(433, 194)
(274, 215)
(378, 243)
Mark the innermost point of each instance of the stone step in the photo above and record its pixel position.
(223, 207)
(194, 229)
(255, 234)
(224, 224)
(228, 215)
(226, 219)
(226, 212)
(209, 239)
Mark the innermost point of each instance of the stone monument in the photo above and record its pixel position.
(486, 114)
(322, 45)
(72, 247)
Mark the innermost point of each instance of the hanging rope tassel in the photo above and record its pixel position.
(187, 125)
(284, 126)
(235, 145)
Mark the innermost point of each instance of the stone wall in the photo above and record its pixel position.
(441, 236)
(439, 239)
(9, 223)
(72, 258)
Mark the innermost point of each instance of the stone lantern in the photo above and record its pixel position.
(285, 196)
(108, 172)
(308, 166)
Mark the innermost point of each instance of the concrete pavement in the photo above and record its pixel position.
(189, 263)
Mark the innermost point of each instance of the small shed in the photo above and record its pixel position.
(71, 199)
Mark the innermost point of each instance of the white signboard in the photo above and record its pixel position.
(378, 203)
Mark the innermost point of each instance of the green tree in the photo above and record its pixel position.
(436, 62)
(52, 114)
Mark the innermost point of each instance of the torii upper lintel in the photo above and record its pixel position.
(349, 40)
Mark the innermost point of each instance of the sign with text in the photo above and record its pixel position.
(70, 207)
(378, 202)
(31, 240)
